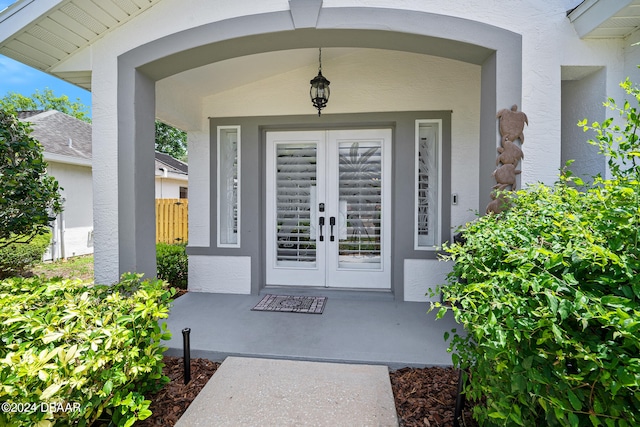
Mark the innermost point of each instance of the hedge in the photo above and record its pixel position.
(173, 264)
(15, 258)
(74, 353)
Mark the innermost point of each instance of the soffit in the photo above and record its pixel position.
(62, 30)
(604, 19)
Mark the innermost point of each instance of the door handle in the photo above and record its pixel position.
(321, 223)
(332, 223)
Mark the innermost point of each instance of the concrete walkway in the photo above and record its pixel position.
(263, 392)
(356, 327)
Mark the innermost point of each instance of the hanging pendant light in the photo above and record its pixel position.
(319, 88)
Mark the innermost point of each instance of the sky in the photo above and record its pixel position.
(22, 79)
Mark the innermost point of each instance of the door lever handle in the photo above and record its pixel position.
(321, 223)
(332, 223)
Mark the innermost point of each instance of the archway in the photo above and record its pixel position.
(496, 50)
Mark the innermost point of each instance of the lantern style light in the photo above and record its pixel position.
(319, 88)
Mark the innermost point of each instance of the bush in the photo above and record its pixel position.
(173, 264)
(73, 353)
(551, 305)
(549, 295)
(17, 257)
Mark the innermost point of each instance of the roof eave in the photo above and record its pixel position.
(591, 14)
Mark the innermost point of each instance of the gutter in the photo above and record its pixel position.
(69, 160)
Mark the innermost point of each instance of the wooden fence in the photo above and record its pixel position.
(171, 220)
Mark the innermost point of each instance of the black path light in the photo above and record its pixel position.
(319, 88)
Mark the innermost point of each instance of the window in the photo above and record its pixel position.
(184, 192)
(229, 186)
(428, 184)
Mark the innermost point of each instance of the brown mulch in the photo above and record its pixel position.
(424, 397)
(172, 401)
(427, 397)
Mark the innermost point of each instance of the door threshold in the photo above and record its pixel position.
(338, 293)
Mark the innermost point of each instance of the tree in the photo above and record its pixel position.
(171, 141)
(46, 100)
(29, 199)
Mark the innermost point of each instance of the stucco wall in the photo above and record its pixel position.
(582, 98)
(78, 214)
(169, 188)
(386, 81)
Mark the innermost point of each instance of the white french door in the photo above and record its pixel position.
(327, 208)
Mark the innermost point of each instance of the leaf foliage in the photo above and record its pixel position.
(67, 342)
(29, 198)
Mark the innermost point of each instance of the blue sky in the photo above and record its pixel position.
(20, 78)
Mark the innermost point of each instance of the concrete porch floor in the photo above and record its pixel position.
(356, 327)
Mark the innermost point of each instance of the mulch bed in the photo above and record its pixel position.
(427, 397)
(172, 401)
(424, 397)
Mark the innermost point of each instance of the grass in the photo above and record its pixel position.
(80, 267)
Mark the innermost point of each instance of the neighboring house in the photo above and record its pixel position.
(67, 149)
(402, 154)
(172, 177)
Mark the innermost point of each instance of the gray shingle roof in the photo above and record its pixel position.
(60, 133)
(171, 164)
(65, 135)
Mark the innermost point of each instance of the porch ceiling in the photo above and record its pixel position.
(231, 73)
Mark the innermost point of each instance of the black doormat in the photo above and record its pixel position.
(291, 304)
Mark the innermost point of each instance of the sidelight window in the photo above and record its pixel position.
(229, 186)
(428, 184)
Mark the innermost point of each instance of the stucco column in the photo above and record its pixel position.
(199, 187)
(136, 188)
(501, 81)
(104, 130)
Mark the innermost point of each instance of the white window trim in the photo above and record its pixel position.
(438, 235)
(218, 233)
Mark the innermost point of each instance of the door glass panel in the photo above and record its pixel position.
(295, 184)
(360, 204)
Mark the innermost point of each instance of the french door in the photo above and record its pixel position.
(327, 208)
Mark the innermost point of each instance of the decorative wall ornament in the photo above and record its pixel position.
(499, 202)
(505, 177)
(511, 126)
(510, 153)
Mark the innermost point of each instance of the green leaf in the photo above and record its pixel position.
(573, 399)
(574, 421)
(498, 415)
(108, 386)
(50, 391)
(53, 336)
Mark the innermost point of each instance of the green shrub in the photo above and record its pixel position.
(66, 344)
(549, 295)
(551, 305)
(173, 264)
(15, 258)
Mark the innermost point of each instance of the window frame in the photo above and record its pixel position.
(439, 149)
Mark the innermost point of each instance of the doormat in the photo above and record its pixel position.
(291, 304)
